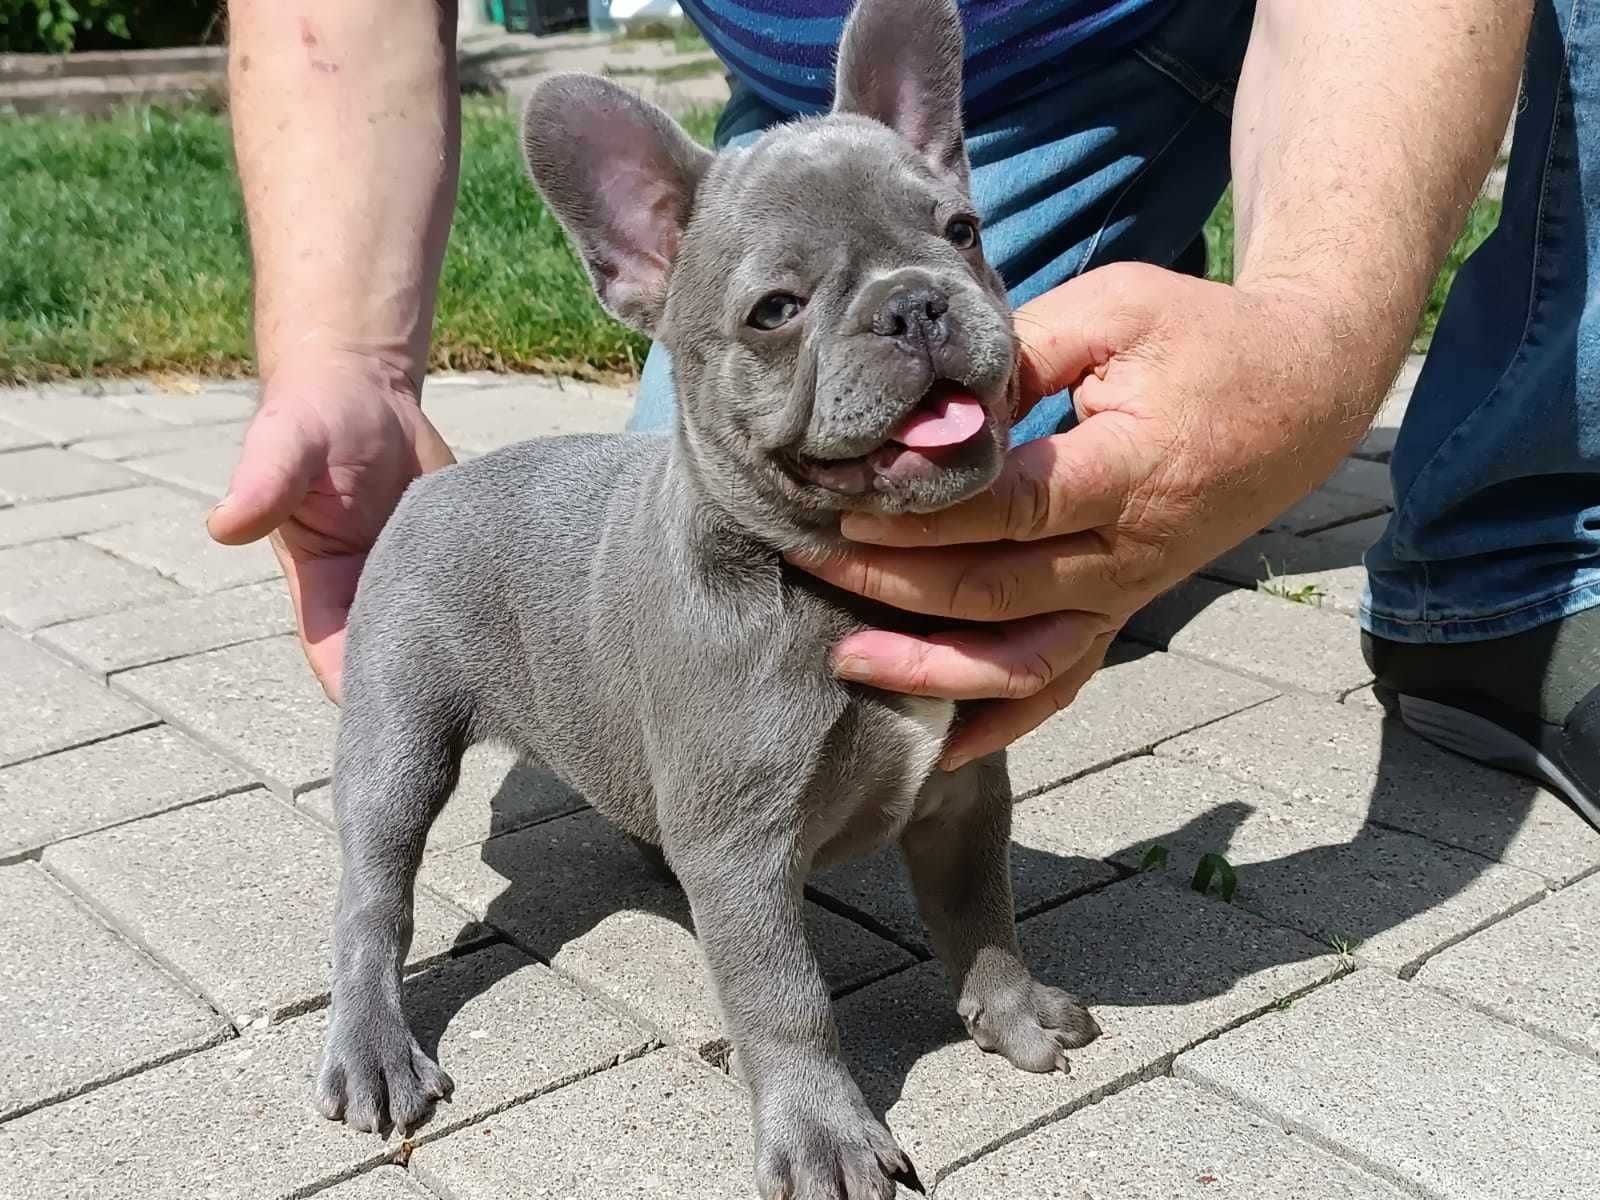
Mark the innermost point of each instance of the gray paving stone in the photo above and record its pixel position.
(45, 705)
(237, 1122)
(1297, 645)
(85, 514)
(13, 437)
(1327, 508)
(1163, 1140)
(106, 783)
(1540, 969)
(1364, 698)
(194, 405)
(656, 1127)
(1358, 489)
(256, 702)
(50, 474)
(223, 440)
(64, 417)
(480, 419)
(152, 633)
(1354, 759)
(386, 1183)
(181, 549)
(1311, 866)
(1162, 969)
(1431, 1095)
(45, 583)
(237, 896)
(1380, 439)
(1361, 477)
(496, 794)
(1137, 699)
(203, 470)
(877, 890)
(577, 894)
(82, 1006)
(1329, 562)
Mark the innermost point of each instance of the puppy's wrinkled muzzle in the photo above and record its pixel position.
(942, 431)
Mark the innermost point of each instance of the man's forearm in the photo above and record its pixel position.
(1362, 133)
(347, 127)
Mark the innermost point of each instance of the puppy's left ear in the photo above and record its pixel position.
(621, 176)
(900, 63)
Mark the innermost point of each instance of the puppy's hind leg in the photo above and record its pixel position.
(397, 762)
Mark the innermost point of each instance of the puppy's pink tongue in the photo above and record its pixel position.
(945, 420)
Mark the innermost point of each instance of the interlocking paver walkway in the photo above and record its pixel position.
(1399, 1000)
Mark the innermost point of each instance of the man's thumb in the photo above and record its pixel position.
(278, 465)
(1078, 327)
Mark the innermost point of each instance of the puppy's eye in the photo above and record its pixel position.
(775, 311)
(962, 233)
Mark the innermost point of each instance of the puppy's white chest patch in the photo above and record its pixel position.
(928, 724)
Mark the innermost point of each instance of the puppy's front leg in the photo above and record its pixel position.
(816, 1138)
(959, 859)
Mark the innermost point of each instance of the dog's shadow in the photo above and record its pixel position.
(577, 892)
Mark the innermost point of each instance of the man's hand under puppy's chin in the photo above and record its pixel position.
(1204, 410)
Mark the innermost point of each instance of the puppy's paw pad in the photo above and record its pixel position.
(1033, 1026)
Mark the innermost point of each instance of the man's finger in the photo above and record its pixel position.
(996, 725)
(280, 461)
(1068, 483)
(1014, 660)
(322, 590)
(1075, 329)
(1004, 581)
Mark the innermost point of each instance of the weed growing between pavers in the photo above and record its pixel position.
(1274, 585)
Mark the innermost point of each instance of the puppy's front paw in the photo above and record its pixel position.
(821, 1147)
(1032, 1024)
(374, 1075)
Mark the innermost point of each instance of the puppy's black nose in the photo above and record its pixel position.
(917, 315)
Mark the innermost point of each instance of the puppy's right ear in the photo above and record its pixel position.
(620, 175)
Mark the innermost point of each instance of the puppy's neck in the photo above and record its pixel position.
(727, 496)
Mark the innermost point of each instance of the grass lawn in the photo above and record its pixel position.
(122, 250)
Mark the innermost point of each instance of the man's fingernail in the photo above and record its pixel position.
(852, 667)
(864, 527)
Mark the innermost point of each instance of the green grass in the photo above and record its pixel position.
(124, 246)
(1274, 585)
(124, 251)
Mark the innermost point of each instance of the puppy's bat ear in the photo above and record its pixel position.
(621, 176)
(900, 63)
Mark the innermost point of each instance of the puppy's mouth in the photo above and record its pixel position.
(944, 430)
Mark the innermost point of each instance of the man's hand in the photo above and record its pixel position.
(1361, 132)
(1204, 410)
(335, 443)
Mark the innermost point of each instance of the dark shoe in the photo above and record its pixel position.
(1529, 703)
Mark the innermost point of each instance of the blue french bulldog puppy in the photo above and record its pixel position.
(617, 608)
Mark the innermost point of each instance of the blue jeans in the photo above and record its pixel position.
(1496, 470)
(1497, 466)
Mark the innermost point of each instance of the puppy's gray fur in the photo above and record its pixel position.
(617, 608)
